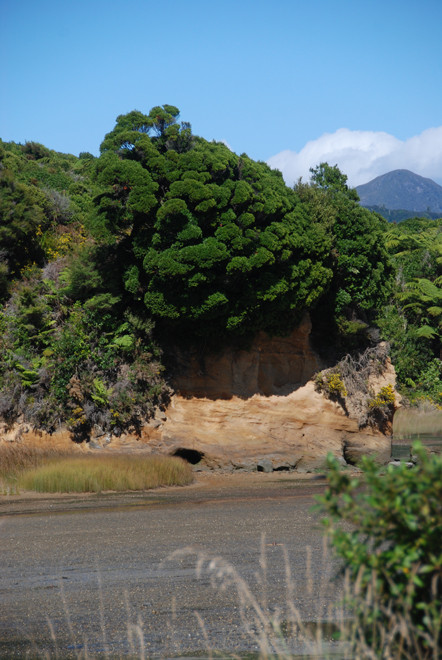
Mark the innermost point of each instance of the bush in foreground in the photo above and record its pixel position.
(93, 474)
(392, 552)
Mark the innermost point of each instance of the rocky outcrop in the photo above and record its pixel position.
(292, 431)
(251, 410)
(295, 430)
(258, 409)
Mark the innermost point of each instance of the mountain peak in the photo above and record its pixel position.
(402, 189)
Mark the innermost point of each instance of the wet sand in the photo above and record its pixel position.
(97, 569)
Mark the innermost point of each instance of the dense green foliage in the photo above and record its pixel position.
(209, 241)
(166, 239)
(45, 201)
(76, 363)
(362, 273)
(66, 354)
(392, 548)
(412, 322)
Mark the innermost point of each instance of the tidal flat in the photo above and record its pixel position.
(115, 575)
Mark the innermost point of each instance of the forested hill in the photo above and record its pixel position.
(106, 263)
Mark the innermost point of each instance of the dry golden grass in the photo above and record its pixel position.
(426, 420)
(93, 474)
(15, 458)
(68, 471)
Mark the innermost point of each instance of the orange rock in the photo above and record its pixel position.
(244, 406)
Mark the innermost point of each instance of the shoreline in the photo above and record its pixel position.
(206, 487)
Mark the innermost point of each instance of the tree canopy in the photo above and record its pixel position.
(330, 178)
(215, 242)
(358, 258)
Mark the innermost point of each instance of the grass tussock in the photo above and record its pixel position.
(423, 420)
(16, 459)
(93, 474)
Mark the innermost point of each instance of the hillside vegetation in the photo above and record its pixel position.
(412, 321)
(166, 239)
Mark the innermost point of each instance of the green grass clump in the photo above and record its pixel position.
(93, 474)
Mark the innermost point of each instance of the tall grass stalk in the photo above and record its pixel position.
(275, 633)
(15, 458)
(94, 474)
(336, 631)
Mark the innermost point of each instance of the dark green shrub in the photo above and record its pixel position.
(392, 549)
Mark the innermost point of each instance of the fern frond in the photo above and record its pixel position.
(426, 332)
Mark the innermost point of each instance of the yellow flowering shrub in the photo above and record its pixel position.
(384, 397)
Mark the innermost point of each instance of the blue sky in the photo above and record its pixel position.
(349, 81)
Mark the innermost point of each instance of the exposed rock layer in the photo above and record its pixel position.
(241, 408)
(271, 366)
(254, 409)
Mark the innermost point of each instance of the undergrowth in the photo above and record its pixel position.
(349, 383)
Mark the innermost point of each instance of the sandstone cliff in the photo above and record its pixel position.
(254, 409)
(258, 409)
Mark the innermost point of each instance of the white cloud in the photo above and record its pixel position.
(225, 143)
(364, 155)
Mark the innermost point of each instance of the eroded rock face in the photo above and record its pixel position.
(245, 408)
(276, 365)
(293, 431)
(251, 410)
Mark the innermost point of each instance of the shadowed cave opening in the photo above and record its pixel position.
(192, 456)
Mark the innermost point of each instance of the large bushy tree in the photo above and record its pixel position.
(191, 242)
(210, 241)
